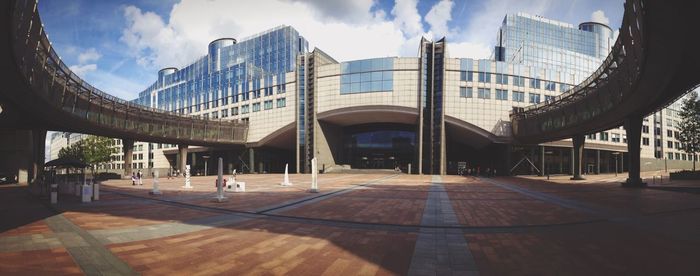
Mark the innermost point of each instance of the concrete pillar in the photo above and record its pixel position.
(578, 142)
(251, 160)
(38, 150)
(128, 149)
(542, 164)
(181, 157)
(633, 127)
(597, 161)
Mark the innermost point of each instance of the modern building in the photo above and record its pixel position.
(427, 114)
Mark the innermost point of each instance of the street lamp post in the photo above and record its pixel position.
(206, 161)
(545, 163)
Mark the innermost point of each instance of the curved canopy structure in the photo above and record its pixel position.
(652, 63)
(49, 95)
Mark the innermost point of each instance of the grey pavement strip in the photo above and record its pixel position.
(148, 232)
(295, 203)
(441, 251)
(90, 255)
(29, 242)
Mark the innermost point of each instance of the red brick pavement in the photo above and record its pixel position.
(129, 215)
(399, 200)
(594, 249)
(477, 203)
(55, 261)
(612, 195)
(264, 247)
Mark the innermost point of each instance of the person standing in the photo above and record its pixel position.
(133, 179)
(139, 175)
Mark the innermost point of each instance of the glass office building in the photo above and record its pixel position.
(231, 72)
(550, 44)
(430, 113)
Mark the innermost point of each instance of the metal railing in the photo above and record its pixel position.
(53, 81)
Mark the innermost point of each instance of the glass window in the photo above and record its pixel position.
(501, 79)
(534, 98)
(465, 92)
(256, 107)
(501, 94)
(563, 87)
(245, 109)
(268, 104)
(549, 86)
(484, 93)
(484, 77)
(518, 81)
(282, 102)
(466, 76)
(234, 111)
(518, 96)
(535, 83)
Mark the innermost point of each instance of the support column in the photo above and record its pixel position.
(251, 160)
(542, 173)
(633, 127)
(578, 142)
(181, 158)
(39, 150)
(597, 162)
(128, 149)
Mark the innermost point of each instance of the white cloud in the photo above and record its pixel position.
(406, 17)
(468, 50)
(82, 70)
(88, 56)
(438, 16)
(599, 16)
(355, 11)
(353, 31)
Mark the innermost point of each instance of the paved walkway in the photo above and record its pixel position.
(357, 225)
(441, 251)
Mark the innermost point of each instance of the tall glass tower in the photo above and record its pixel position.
(549, 44)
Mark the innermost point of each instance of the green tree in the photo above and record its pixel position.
(690, 126)
(93, 150)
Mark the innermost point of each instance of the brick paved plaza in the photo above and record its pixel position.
(366, 224)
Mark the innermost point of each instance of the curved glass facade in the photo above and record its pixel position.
(369, 75)
(231, 73)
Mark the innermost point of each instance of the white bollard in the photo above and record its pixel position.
(286, 176)
(96, 191)
(219, 182)
(155, 190)
(188, 183)
(314, 176)
(54, 193)
(87, 193)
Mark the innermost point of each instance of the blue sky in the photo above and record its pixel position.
(118, 46)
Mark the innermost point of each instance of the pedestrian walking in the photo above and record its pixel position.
(139, 175)
(133, 179)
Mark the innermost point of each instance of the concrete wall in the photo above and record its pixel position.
(651, 164)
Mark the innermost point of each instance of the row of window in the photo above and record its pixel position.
(502, 95)
(681, 156)
(245, 109)
(518, 81)
(366, 82)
